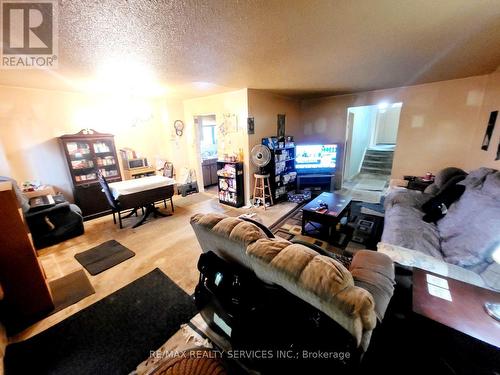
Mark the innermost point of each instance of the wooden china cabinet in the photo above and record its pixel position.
(88, 152)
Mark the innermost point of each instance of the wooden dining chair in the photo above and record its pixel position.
(168, 171)
(113, 203)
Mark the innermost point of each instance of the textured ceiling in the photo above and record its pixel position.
(300, 48)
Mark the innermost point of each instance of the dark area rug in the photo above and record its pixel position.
(70, 289)
(104, 256)
(111, 336)
(347, 240)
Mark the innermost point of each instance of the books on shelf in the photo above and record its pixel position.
(85, 177)
(78, 149)
(230, 183)
(101, 147)
(82, 164)
(107, 160)
(229, 171)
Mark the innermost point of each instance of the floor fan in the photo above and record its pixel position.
(261, 156)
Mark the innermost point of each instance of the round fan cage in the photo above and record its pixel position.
(261, 155)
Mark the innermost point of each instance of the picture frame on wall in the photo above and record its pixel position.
(489, 130)
(281, 125)
(251, 125)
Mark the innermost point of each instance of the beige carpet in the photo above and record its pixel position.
(70, 289)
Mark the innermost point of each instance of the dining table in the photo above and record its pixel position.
(143, 193)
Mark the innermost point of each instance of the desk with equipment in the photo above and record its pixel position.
(134, 166)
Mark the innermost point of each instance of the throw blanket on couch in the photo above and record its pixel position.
(465, 236)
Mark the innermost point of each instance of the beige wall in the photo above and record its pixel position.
(4, 164)
(387, 125)
(32, 120)
(264, 107)
(442, 124)
(232, 103)
(491, 102)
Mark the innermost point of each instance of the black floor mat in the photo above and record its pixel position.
(104, 256)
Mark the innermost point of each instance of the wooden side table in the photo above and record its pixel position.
(418, 184)
(464, 313)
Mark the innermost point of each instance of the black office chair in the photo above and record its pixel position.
(113, 203)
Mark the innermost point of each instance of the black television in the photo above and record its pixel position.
(316, 158)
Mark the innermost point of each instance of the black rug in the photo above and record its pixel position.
(111, 336)
(104, 256)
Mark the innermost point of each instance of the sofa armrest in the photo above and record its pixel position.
(406, 197)
(374, 272)
(65, 206)
(416, 259)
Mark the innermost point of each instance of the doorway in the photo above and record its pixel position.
(371, 138)
(207, 129)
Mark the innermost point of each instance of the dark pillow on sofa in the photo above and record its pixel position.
(436, 207)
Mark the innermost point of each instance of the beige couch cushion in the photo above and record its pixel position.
(227, 237)
(319, 280)
(374, 272)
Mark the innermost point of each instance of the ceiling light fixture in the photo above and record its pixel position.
(125, 77)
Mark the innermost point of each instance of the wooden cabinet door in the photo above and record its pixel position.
(213, 173)
(91, 201)
(205, 169)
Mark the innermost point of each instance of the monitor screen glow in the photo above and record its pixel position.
(316, 157)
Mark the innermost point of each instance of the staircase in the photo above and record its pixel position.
(377, 161)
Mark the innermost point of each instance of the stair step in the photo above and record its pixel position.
(380, 166)
(381, 151)
(382, 155)
(375, 169)
(377, 161)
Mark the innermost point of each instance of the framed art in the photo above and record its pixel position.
(251, 125)
(281, 125)
(489, 130)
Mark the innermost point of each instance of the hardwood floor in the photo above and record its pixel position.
(167, 243)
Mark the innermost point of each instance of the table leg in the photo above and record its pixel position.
(150, 209)
(131, 213)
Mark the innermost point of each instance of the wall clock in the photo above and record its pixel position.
(179, 127)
